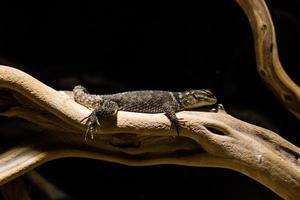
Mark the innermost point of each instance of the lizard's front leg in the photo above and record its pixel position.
(171, 114)
(107, 109)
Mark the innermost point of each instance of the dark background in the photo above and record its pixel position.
(128, 45)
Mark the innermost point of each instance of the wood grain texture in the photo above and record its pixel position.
(268, 63)
(210, 139)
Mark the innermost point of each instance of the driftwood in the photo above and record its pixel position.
(267, 59)
(212, 139)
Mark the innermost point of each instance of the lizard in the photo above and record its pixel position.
(143, 101)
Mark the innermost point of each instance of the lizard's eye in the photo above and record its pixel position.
(208, 92)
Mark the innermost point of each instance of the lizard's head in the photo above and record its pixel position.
(196, 98)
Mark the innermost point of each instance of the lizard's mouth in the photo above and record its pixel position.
(212, 101)
(206, 102)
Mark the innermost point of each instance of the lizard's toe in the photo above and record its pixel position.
(176, 125)
(91, 122)
(90, 131)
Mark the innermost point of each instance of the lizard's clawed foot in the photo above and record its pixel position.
(91, 122)
(177, 123)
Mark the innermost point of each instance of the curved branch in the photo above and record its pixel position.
(211, 139)
(62, 106)
(267, 59)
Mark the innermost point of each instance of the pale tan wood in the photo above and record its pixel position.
(267, 59)
(211, 139)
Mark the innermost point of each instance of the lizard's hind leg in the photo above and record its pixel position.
(108, 109)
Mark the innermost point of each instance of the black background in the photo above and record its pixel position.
(129, 45)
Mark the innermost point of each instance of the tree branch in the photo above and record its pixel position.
(267, 59)
(211, 139)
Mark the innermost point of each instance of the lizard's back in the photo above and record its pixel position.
(147, 101)
(141, 101)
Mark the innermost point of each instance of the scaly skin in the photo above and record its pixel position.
(146, 101)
